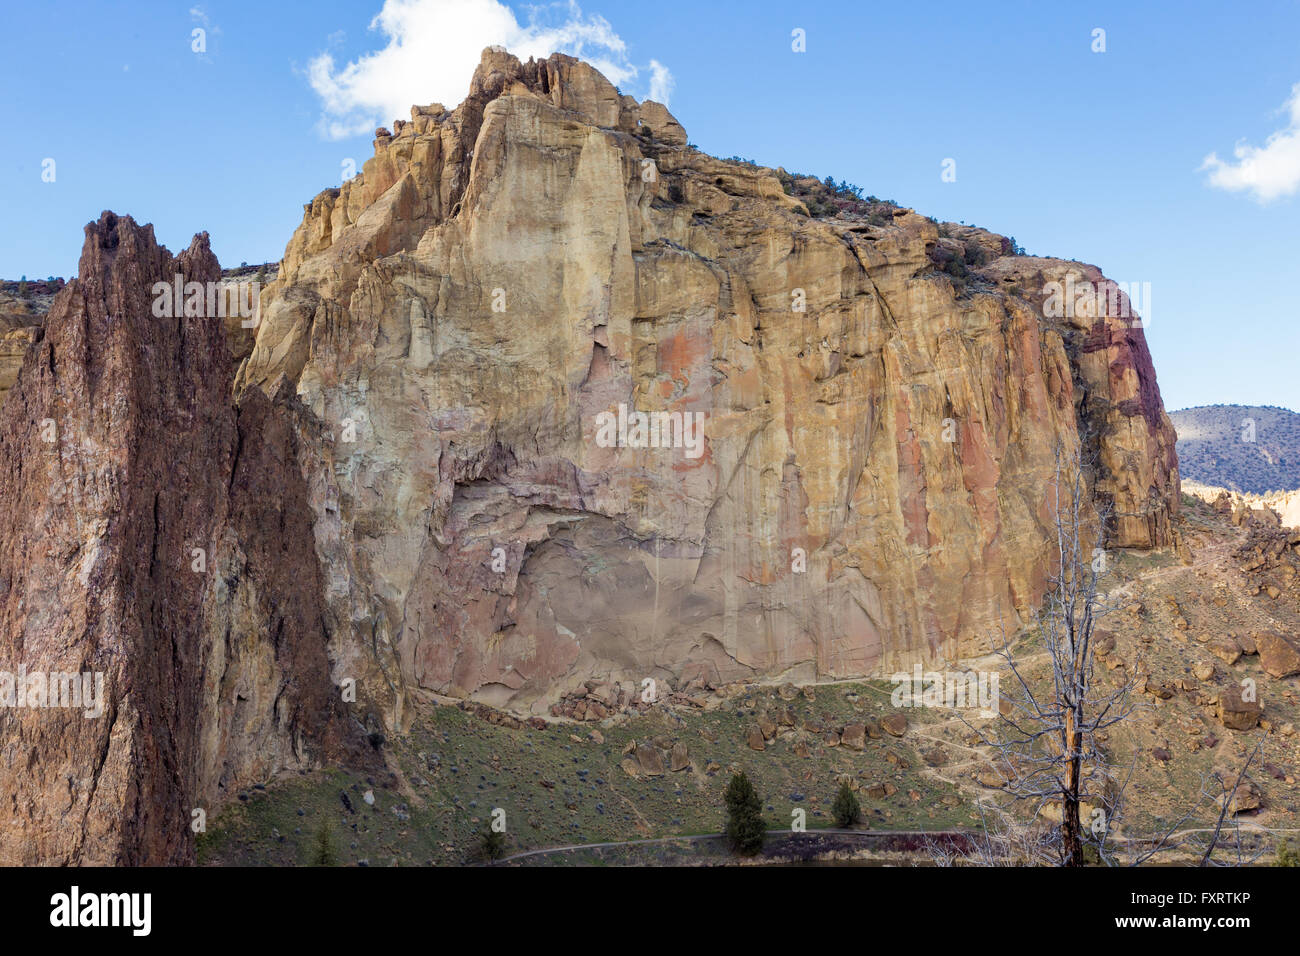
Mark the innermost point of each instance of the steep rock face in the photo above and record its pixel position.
(1127, 436)
(873, 484)
(121, 458)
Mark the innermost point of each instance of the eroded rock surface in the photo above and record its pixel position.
(155, 538)
(874, 481)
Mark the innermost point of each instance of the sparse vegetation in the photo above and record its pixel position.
(454, 766)
(1252, 449)
(827, 199)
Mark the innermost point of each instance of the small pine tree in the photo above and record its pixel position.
(845, 809)
(493, 843)
(324, 853)
(745, 827)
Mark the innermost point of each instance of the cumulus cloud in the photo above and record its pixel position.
(432, 47)
(1267, 172)
(661, 82)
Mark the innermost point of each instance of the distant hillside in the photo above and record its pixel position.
(1216, 446)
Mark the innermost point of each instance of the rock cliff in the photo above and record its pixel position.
(878, 438)
(156, 539)
(544, 395)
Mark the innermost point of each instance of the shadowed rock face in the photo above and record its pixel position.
(121, 453)
(459, 315)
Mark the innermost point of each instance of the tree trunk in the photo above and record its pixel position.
(1071, 828)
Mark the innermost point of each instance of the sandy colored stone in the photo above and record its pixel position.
(1225, 649)
(679, 758)
(1236, 713)
(475, 427)
(649, 760)
(894, 724)
(1277, 655)
(854, 736)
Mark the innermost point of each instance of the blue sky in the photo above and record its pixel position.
(1093, 156)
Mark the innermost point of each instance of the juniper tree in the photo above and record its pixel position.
(493, 843)
(745, 827)
(324, 853)
(846, 809)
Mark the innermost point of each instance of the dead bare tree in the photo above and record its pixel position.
(1047, 747)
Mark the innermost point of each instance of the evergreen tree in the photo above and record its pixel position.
(745, 827)
(493, 843)
(324, 853)
(846, 810)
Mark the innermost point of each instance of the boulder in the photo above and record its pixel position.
(854, 736)
(1277, 655)
(679, 759)
(1236, 713)
(894, 724)
(1225, 649)
(649, 760)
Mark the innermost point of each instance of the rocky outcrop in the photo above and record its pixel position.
(158, 541)
(872, 484)
(24, 304)
(23, 307)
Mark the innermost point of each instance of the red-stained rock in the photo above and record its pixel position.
(874, 484)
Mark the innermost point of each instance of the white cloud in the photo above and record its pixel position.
(433, 46)
(1270, 171)
(661, 82)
